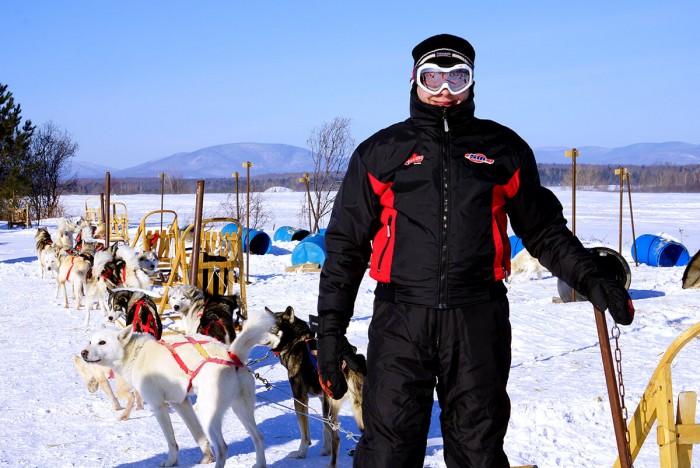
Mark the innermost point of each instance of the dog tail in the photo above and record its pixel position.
(101, 259)
(129, 255)
(254, 330)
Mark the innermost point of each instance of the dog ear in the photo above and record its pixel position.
(269, 311)
(125, 335)
(289, 314)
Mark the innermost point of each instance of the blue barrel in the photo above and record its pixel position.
(289, 233)
(310, 250)
(260, 242)
(516, 245)
(657, 251)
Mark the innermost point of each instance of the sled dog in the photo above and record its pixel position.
(44, 245)
(138, 310)
(163, 372)
(523, 262)
(73, 269)
(297, 356)
(148, 261)
(95, 375)
(215, 316)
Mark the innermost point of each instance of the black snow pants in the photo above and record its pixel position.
(466, 352)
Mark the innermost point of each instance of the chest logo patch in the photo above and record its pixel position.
(478, 158)
(414, 159)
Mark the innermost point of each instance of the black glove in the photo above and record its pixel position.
(607, 293)
(333, 352)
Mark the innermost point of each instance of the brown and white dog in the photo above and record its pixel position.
(44, 248)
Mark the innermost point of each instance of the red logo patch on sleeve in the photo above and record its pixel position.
(414, 159)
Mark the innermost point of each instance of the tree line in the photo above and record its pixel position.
(662, 178)
(665, 178)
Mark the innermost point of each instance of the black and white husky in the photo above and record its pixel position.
(296, 353)
(215, 316)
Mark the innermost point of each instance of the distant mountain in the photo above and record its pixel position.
(640, 154)
(224, 160)
(86, 170)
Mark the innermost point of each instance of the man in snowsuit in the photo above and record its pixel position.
(426, 202)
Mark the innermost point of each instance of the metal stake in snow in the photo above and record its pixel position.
(613, 391)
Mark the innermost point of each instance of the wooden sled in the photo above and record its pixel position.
(676, 430)
(164, 243)
(118, 219)
(220, 261)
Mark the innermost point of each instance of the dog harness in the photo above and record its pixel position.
(205, 330)
(150, 326)
(235, 360)
(72, 263)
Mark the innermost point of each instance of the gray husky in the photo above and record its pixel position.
(296, 353)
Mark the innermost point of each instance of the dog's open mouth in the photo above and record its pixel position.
(85, 358)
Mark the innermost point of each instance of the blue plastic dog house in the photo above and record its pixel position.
(516, 245)
(310, 250)
(260, 242)
(289, 233)
(657, 251)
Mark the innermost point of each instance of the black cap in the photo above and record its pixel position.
(444, 50)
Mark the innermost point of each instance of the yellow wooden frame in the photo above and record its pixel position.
(676, 430)
(220, 262)
(93, 215)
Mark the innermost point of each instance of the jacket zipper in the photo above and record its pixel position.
(503, 256)
(388, 238)
(442, 284)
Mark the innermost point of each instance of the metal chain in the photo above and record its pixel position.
(332, 423)
(621, 385)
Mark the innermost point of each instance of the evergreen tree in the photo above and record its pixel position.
(15, 139)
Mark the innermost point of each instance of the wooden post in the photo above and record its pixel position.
(613, 391)
(162, 191)
(197, 241)
(105, 209)
(573, 153)
(621, 172)
(634, 237)
(247, 165)
(238, 208)
(305, 181)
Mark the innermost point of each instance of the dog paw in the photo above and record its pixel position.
(207, 459)
(297, 454)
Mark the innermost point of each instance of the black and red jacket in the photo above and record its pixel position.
(427, 201)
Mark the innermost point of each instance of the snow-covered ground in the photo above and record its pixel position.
(560, 418)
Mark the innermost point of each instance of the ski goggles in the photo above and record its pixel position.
(433, 78)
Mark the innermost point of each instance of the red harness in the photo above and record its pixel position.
(72, 262)
(150, 326)
(235, 361)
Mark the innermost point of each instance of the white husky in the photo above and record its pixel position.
(152, 368)
(523, 262)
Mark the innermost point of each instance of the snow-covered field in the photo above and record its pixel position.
(561, 416)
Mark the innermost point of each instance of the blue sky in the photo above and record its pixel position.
(133, 81)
